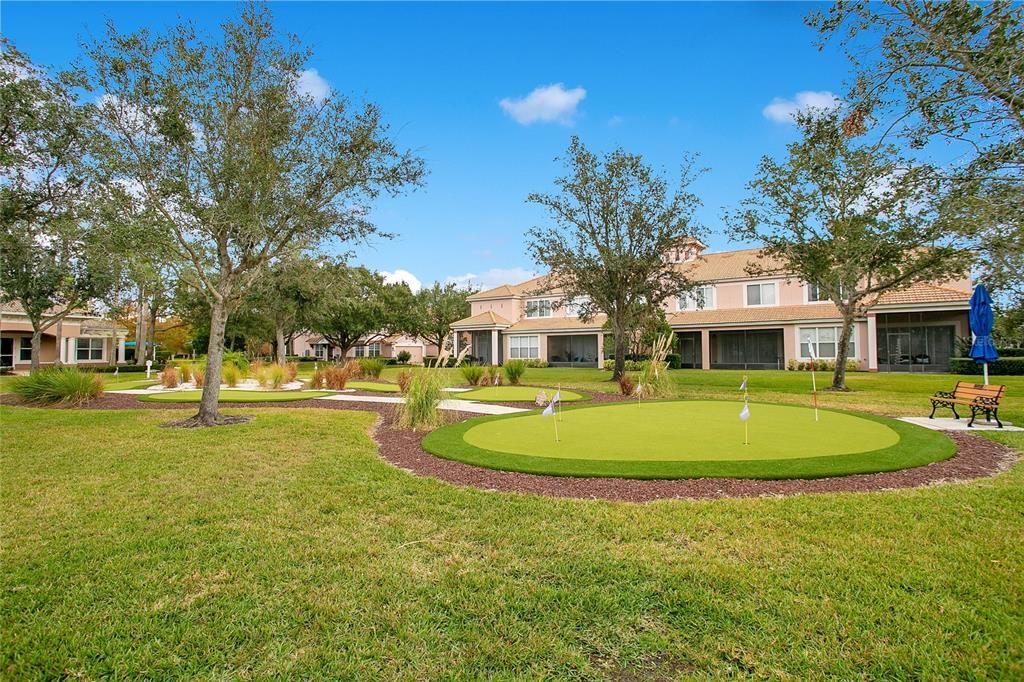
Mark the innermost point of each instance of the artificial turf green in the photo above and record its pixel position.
(231, 396)
(690, 439)
(373, 386)
(516, 394)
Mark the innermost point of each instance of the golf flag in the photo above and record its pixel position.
(116, 370)
(549, 410)
(743, 386)
(497, 379)
(745, 413)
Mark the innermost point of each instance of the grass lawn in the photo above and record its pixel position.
(286, 548)
(625, 440)
(877, 392)
(233, 396)
(511, 394)
(373, 386)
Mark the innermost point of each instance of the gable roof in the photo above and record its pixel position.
(526, 288)
(488, 318)
(924, 292)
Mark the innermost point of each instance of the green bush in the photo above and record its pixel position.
(1011, 366)
(1010, 352)
(472, 374)
(535, 363)
(514, 370)
(276, 374)
(630, 365)
(403, 357)
(372, 367)
(58, 385)
(419, 411)
(230, 374)
(674, 360)
(238, 359)
(654, 381)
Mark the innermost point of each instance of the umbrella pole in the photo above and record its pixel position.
(984, 370)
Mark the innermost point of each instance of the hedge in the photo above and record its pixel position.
(1010, 352)
(1004, 366)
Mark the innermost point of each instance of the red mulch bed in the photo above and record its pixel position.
(976, 457)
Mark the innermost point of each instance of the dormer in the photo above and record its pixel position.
(686, 249)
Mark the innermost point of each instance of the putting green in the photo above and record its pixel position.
(689, 439)
(373, 386)
(517, 394)
(231, 396)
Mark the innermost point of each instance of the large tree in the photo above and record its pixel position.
(51, 263)
(219, 138)
(856, 220)
(613, 222)
(950, 70)
(435, 309)
(359, 307)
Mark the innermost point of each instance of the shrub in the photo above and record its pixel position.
(674, 360)
(626, 385)
(655, 381)
(170, 378)
(536, 363)
(262, 374)
(514, 371)
(472, 374)
(404, 357)
(199, 374)
(419, 411)
(58, 385)
(238, 359)
(276, 376)
(291, 371)
(404, 378)
(1001, 367)
(372, 367)
(629, 365)
(491, 376)
(1009, 352)
(230, 374)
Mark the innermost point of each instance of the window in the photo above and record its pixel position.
(572, 308)
(541, 308)
(321, 351)
(524, 347)
(373, 350)
(360, 351)
(814, 295)
(699, 299)
(88, 349)
(25, 349)
(761, 294)
(825, 340)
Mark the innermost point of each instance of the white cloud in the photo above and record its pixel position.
(402, 276)
(546, 104)
(314, 85)
(494, 277)
(783, 110)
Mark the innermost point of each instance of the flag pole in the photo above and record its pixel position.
(555, 422)
(558, 392)
(814, 383)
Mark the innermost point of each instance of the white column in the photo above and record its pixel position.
(872, 343)
(61, 350)
(455, 344)
(494, 347)
(72, 352)
(120, 350)
(600, 350)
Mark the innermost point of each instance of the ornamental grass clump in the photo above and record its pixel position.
(514, 371)
(472, 374)
(354, 370)
(276, 375)
(491, 376)
(336, 377)
(170, 377)
(230, 374)
(59, 386)
(626, 385)
(262, 374)
(372, 367)
(419, 411)
(238, 359)
(291, 371)
(403, 380)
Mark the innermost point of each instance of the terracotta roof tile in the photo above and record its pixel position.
(923, 292)
(486, 318)
(768, 313)
(557, 323)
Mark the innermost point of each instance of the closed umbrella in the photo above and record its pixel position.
(982, 350)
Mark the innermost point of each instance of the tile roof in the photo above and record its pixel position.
(724, 265)
(768, 313)
(15, 307)
(486, 318)
(924, 292)
(509, 290)
(540, 324)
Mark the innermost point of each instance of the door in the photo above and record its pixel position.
(6, 352)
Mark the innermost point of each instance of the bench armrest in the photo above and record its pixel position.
(944, 394)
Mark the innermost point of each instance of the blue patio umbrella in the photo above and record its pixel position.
(982, 350)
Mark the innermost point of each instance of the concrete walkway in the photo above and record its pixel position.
(950, 424)
(453, 405)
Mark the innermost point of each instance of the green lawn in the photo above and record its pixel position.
(233, 396)
(285, 548)
(512, 394)
(877, 392)
(373, 386)
(690, 439)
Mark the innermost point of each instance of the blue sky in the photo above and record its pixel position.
(657, 79)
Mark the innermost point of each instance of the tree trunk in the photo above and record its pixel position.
(619, 334)
(842, 351)
(209, 414)
(281, 344)
(140, 329)
(37, 347)
(113, 342)
(151, 332)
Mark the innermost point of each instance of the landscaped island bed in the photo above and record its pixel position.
(233, 396)
(690, 439)
(518, 394)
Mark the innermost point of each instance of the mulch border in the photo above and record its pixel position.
(976, 458)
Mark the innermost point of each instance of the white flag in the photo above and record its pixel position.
(743, 386)
(638, 390)
(812, 350)
(558, 396)
(745, 413)
(549, 410)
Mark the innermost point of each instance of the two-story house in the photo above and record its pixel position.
(79, 339)
(732, 321)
